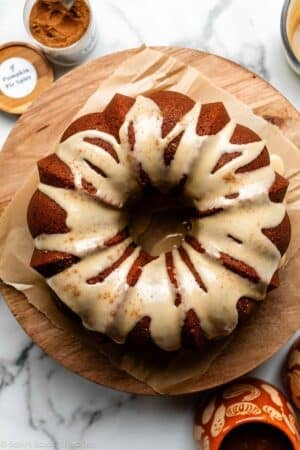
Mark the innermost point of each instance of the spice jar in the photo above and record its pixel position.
(290, 32)
(65, 35)
(24, 74)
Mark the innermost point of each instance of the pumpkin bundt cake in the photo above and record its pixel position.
(159, 220)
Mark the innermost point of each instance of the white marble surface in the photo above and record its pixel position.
(43, 405)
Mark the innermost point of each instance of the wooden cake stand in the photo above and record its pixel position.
(44, 122)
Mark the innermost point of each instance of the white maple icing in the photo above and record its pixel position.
(119, 183)
(90, 222)
(112, 306)
(277, 164)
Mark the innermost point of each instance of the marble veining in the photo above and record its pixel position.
(42, 405)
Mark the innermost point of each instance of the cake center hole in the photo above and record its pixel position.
(159, 223)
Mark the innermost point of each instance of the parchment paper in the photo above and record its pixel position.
(145, 71)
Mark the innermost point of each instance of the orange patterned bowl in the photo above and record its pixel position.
(291, 373)
(249, 407)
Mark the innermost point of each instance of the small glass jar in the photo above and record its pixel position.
(69, 55)
(290, 16)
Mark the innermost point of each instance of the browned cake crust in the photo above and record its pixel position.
(55, 172)
(48, 263)
(45, 216)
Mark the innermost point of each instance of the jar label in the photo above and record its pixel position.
(18, 77)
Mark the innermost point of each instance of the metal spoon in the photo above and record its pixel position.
(68, 3)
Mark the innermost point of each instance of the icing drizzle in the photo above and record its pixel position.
(204, 283)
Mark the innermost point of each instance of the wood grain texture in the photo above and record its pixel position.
(35, 134)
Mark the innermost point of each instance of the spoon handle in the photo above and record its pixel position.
(68, 3)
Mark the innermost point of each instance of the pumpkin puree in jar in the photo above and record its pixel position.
(52, 24)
